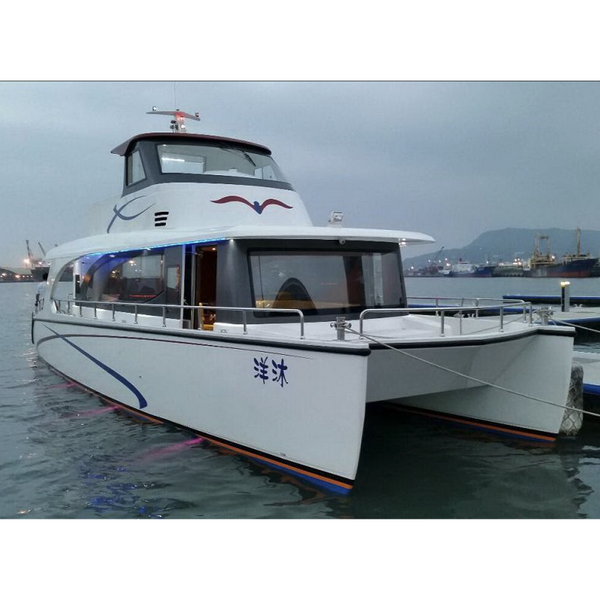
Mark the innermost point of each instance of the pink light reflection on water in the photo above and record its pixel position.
(96, 411)
(173, 448)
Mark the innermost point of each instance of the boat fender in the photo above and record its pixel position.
(573, 417)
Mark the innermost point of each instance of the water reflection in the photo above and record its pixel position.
(415, 468)
(64, 454)
(411, 467)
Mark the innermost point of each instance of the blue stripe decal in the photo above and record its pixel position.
(117, 376)
(590, 388)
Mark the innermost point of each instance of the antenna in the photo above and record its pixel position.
(178, 123)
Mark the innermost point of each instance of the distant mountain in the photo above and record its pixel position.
(503, 245)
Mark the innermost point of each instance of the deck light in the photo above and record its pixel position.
(336, 218)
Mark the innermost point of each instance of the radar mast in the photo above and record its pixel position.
(179, 117)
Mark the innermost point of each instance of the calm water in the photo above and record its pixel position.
(63, 454)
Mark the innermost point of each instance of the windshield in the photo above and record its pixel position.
(217, 160)
(324, 282)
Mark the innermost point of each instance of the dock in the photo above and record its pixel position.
(585, 317)
(554, 299)
(590, 361)
(571, 310)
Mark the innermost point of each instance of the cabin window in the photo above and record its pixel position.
(181, 159)
(124, 277)
(142, 277)
(324, 282)
(135, 168)
(229, 161)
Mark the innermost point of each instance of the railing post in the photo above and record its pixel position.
(502, 318)
(113, 312)
(245, 322)
(442, 322)
(164, 316)
(95, 311)
(135, 314)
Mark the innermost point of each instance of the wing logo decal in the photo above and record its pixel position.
(257, 207)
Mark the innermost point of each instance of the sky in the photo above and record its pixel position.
(452, 159)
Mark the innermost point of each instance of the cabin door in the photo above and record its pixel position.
(206, 285)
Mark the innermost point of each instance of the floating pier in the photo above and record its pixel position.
(590, 361)
(586, 317)
(572, 310)
(552, 300)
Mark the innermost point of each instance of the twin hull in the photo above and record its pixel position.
(302, 406)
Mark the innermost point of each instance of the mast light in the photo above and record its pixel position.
(178, 122)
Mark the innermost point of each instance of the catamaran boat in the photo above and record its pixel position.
(205, 297)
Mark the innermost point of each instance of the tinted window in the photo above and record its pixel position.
(124, 277)
(326, 282)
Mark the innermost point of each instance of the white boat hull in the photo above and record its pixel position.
(310, 421)
(534, 366)
(203, 296)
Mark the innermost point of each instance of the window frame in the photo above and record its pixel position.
(337, 310)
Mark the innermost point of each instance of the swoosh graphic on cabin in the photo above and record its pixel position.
(143, 402)
(119, 212)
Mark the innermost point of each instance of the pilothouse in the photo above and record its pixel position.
(204, 296)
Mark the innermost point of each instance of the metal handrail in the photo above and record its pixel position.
(442, 312)
(244, 310)
(460, 301)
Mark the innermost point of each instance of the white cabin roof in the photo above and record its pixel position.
(119, 242)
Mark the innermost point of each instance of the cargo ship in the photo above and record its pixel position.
(464, 269)
(544, 263)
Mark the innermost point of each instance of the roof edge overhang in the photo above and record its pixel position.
(124, 148)
(121, 242)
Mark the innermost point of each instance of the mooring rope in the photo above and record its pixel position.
(347, 327)
(574, 325)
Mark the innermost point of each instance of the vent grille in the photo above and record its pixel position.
(160, 218)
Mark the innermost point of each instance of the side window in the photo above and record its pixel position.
(125, 277)
(142, 277)
(135, 168)
(64, 284)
